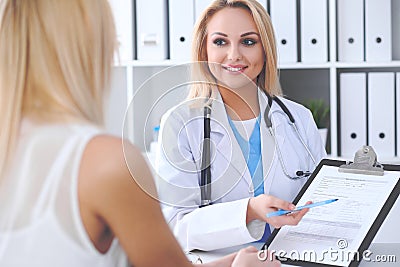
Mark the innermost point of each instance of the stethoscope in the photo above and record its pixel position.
(205, 178)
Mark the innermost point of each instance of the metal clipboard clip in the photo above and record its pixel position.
(365, 162)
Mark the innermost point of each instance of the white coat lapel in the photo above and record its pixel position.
(228, 148)
(268, 142)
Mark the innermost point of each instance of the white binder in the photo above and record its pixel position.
(398, 111)
(353, 113)
(151, 22)
(200, 6)
(378, 31)
(123, 17)
(395, 30)
(381, 122)
(350, 30)
(284, 19)
(314, 30)
(181, 21)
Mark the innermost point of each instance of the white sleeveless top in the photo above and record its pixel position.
(40, 222)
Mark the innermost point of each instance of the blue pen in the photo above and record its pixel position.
(316, 204)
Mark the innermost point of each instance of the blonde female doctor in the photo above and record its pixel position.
(262, 147)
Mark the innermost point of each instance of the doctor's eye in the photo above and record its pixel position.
(249, 42)
(219, 42)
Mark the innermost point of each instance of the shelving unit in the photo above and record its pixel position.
(300, 81)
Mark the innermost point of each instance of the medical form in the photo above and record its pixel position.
(332, 234)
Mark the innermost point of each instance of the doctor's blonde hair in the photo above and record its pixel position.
(268, 78)
(56, 59)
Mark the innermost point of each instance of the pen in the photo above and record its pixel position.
(316, 204)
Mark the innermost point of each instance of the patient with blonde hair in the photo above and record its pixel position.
(67, 195)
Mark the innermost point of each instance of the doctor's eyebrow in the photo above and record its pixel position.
(249, 33)
(242, 35)
(219, 33)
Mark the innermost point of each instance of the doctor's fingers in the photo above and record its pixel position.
(277, 203)
(297, 216)
(262, 204)
(289, 219)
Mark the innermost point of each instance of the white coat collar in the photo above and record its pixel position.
(220, 126)
(278, 125)
(219, 112)
(263, 102)
(278, 120)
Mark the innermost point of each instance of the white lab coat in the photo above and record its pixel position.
(178, 162)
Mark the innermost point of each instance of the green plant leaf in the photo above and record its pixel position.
(320, 112)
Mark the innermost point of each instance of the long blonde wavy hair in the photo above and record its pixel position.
(267, 79)
(56, 58)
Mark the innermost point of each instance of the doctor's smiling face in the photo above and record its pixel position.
(234, 43)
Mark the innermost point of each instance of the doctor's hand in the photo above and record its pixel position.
(259, 206)
(249, 257)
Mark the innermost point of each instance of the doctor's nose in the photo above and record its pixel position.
(234, 53)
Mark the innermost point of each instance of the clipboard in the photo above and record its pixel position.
(365, 165)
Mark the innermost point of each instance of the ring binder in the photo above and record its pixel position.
(365, 162)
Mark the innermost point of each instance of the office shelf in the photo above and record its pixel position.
(300, 81)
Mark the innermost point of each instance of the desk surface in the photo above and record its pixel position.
(208, 256)
(381, 249)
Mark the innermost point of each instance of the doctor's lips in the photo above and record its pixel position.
(234, 68)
